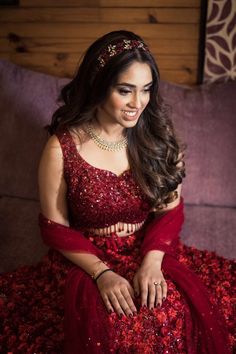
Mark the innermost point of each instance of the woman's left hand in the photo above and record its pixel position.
(150, 283)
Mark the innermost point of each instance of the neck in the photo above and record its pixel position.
(108, 130)
(104, 144)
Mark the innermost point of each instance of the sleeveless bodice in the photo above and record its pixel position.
(98, 198)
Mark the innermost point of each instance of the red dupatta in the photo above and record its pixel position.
(82, 299)
(161, 234)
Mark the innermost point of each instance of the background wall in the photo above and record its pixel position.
(220, 50)
(51, 35)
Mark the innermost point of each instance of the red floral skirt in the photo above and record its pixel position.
(32, 302)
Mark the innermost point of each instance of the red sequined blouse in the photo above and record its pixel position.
(98, 198)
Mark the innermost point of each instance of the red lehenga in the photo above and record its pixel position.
(55, 307)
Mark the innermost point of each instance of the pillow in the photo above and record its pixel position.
(205, 119)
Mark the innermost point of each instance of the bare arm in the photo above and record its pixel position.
(115, 290)
(52, 191)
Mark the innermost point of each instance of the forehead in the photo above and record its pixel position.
(138, 74)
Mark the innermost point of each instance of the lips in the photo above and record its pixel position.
(131, 114)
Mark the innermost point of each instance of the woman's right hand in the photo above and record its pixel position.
(117, 294)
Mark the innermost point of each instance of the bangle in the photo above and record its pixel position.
(106, 270)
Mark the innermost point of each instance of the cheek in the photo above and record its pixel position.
(118, 103)
(146, 100)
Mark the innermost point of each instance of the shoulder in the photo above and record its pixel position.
(52, 156)
(53, 141)
(53, 144)
(51, 182)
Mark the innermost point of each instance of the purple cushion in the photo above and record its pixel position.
(27, 101)
(205, 118)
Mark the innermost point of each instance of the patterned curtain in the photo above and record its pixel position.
(220, 49)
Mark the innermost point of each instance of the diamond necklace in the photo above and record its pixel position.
(106, 145)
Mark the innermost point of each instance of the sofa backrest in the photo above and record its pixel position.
(27, 101)
(204, 118)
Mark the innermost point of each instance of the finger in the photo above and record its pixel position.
(144, 293)
(131, 290)
(136, 286)
(158, 295)
(124, 304)
(164, 289)
(129, 300)
(107, 303)
(151, 295)
(116, 305)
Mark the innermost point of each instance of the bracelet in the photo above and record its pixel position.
(94, 274)
(106, 270)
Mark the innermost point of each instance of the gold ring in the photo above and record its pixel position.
(156, 283)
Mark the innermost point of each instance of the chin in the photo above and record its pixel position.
(129, 124)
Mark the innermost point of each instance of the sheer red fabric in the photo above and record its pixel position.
(87, 327)
(85, 315)
(163, 234)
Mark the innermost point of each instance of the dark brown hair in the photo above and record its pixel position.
(155, 152)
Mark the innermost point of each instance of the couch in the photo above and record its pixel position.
(204, 117)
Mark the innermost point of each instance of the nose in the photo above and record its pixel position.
(135, 101)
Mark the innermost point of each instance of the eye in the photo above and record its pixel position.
(123, 91)
(147, 89)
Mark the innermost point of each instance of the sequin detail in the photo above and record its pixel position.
(109, 198)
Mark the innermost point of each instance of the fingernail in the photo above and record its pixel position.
(110, 311)
(163, 298)
(144, 306)
(121, 315)
(130, 315)
(135, 313)
(158, 305)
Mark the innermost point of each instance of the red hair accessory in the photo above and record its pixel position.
(117, 48)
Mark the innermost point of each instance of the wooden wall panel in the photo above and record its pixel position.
(14, 43)
(91, 30)
(51, 36)
(111, 3)
(91, 15)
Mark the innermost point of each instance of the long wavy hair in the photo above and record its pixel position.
(155, 153)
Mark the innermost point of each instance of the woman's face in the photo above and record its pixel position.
(128, 97)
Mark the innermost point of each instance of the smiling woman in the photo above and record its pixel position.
(110, 177)
(118, 85)
(129, 96)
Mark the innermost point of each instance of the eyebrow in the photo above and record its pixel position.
(131, 85)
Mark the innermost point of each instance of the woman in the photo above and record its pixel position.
(110, 190)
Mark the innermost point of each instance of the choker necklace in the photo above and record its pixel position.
(106, 145)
